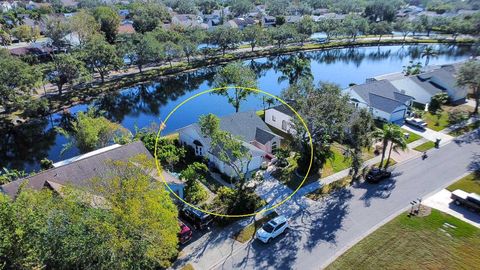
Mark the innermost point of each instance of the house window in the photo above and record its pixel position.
(284, 125)
(198, 150)
(274, 146)
(273, 118)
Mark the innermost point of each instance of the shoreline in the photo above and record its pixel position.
(80, 94)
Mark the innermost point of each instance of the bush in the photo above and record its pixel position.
(36, 107)
(457, 116)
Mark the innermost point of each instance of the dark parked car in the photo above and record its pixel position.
(198, 219)
(185, 233)
(376, 175)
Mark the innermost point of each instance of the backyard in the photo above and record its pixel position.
(437, 241)
(440, 121)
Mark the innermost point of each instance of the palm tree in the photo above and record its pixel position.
(396, 142)
(295, 68)
(427, 53)
(389, 133)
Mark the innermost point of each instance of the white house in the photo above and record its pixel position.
(382, 99)
(280, 117)
(254, 133)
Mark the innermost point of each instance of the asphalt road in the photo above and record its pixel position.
(324, 230)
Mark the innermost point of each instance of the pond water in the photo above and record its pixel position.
(139, 106)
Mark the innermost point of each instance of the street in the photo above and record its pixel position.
(324, 230)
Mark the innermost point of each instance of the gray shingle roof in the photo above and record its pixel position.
(244, 124)
(284, 109)
(263, 136)
(381, 95)
(78, 173)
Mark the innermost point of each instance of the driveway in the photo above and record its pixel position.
(323, 230)
(429, 134)
(444, 203)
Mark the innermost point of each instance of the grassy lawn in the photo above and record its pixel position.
(469, 183)
(465, 129)
(328, 188)
(248, 232)
(411, 136)
(437, 241)
(391, 162)
(188, 267)
(425, 146)
(339, 162)
(436, 123)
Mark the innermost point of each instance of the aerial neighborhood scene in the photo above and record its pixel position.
(239, 134)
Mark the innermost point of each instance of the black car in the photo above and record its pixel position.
(376, 175)
(197, 218)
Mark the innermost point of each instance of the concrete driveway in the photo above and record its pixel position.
(429, 134)
(444, 203)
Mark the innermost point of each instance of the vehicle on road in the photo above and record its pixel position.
(185, 233)
(416, 122)
(376, 175)
(197, 218)
(470, 200)
(272, 229)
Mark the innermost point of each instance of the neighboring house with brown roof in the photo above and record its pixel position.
(78, 171)
(241, 23)
(126, 29)
(188, 20)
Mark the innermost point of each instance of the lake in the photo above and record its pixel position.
(139, 106)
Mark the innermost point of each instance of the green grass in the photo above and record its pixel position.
(416, 243)
(391, 162)
(188, 267)
(261, 114)
(339, 162)
(248, 232)
(328, 188)
(435, 123)
(411, 136)
(469, 183)
(425, 146)
(465, 129)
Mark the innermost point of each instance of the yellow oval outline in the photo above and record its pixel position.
(159, 169)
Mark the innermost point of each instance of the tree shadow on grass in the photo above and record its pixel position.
(469, 138)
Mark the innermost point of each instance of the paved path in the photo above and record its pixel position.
(444, 203)
(325, 229)
(430, 134)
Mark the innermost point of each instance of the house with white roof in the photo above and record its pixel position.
(255, 135)
(382, 99)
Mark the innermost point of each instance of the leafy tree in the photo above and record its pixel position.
(305, 28)
(240, 7)
(7, 176)
(147, 16)
(46, 164)
(457, 26)
(412, 68)
(235, 74)
(435, 105)
(417, 26)
(169, 153)
(403, 26)
(229, 148)
(56, 29)
(329, 26)
(282, 34)
(5, 38)
(326, 113)
(100, 56)
(469, 76)
(109, 21)
(427, 23)
(354, 24)
(381, 28)
(26, 33)
(171, 51)
(295, 68)
(457, 116)
(189, 49)
(225, 37)
(359, 136)
(186, 7)
(390, 133)
(255, 36)
(142, 49)
(207, 6)
(65, 68)
(16, 79)
(90, 132)
(277, 7)
(85, 25)
(194, 192)
(381, 10)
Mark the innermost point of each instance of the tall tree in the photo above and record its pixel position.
(225, 37)
(241, 7)
(65, 68)
(147, 16)
(89, 132)
(85, 25)
(101, 57)
(295, 68)
(194, 173)
(26, 33)
(255, 36)
(109, 21)
(355, 24)
(141, 49)
(16, 80)
(171, 51)
(390, 133)
(428, 52)
(305, 28)
(326, 112)
(235, 74)
(469, 76)
(403, 26)
(56, 29)
(381, 28)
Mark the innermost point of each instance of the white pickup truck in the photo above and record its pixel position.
(471, 200)
(416, 122)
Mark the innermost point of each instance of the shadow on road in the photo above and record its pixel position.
(381, 190)
(469, 138)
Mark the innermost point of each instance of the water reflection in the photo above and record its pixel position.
(23, 147)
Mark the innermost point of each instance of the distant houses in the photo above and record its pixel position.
(77, 172)
(390, 96)
(256, 136)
